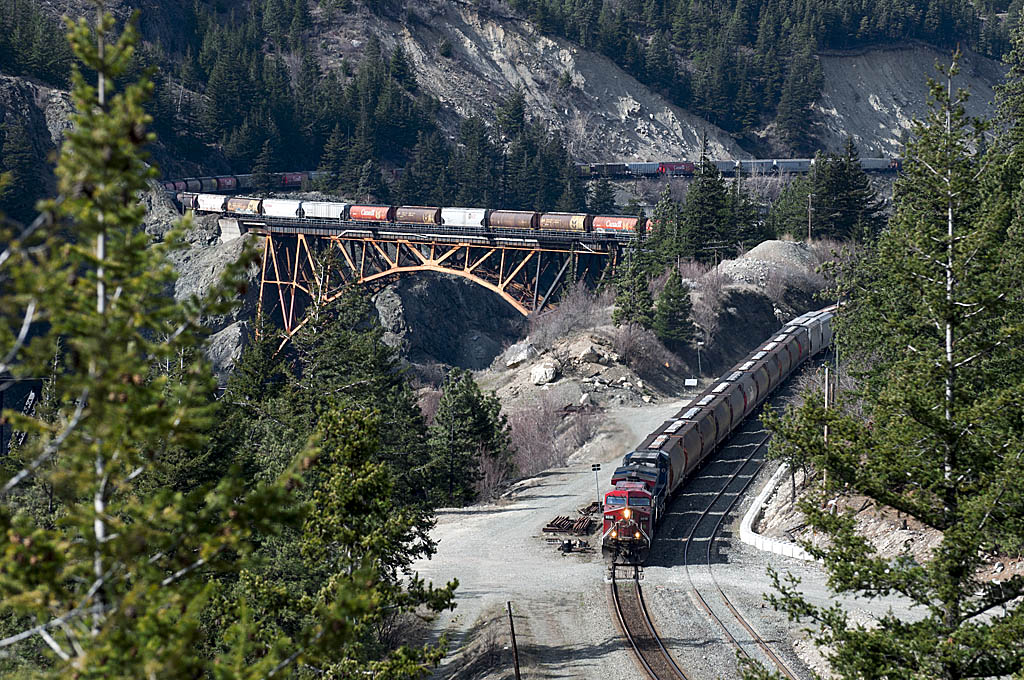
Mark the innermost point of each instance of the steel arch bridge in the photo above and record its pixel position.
(301, 264)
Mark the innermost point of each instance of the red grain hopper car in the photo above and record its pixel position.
(372, 213)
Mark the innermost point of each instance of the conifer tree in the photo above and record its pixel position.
(931, 321)
(332, 162)
(468, 428)
(669, 237)
(672, 323)
(633, 301)
(574, 195)
(261, 169)
(602, 198)
(118, 586)
(706, 213)
(371, 185)
(18, 161)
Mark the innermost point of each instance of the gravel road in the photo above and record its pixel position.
(564, 623)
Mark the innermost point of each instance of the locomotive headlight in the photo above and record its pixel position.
(636, 535)
(626, 513)
(614, 533)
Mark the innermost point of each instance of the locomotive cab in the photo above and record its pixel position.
(628, 520)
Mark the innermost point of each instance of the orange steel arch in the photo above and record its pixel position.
(292, 274)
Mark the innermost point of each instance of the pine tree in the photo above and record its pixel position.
(706, 213)
(574, 195)
(672, 322)
(633, 301)
(468, 430)
(602, 198)
(18, 160)
(930, 320)
(332, 161)
(261, 180)
(123, 575)
(371, 185)
(401, 70)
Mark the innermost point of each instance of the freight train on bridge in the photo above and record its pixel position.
(310, 217)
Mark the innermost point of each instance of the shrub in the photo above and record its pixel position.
(579, 309)
(640, 349)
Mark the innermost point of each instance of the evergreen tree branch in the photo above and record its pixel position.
(30, 310)
(51, 447)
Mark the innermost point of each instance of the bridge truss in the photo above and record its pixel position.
(302, 266)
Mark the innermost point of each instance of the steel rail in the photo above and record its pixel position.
(667, 669)
(779, 664)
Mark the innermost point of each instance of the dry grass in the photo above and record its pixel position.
(711, 288)
(579, 309)
(544, 435)
(428, 399)
(640, 349)
(493, 473)
(534, 428)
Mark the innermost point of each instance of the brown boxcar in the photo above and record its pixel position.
(615, 224)
(372, 213)
(558, 221)
(513, 219)
(244, 206)
(416, 214)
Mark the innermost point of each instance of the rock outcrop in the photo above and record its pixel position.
(433, 318)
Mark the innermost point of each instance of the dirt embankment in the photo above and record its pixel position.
(874, 96)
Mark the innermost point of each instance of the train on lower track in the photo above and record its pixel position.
(648, 476)
(297, 180)
(470, 220)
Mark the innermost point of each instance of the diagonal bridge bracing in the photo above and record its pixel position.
(300, 267)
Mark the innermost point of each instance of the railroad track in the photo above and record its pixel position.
(705, 529)
(639, 629)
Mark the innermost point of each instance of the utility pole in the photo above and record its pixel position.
(809, 197)
(515, 647)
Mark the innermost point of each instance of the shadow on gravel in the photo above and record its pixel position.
(493, 510)
(551, 661)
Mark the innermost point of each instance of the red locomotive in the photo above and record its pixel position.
(648, 476)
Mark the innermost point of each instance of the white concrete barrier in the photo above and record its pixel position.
(751, 537)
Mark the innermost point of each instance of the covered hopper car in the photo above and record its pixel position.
(649, 475)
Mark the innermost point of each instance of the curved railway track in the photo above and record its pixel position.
(638, 628)
(705, 530)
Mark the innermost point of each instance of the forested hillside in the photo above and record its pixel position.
(267, 84)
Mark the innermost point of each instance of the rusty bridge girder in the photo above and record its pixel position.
(298, 268)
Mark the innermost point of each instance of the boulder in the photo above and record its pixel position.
(519, 353)
(585, 351)
(544, 373)
(224, 348)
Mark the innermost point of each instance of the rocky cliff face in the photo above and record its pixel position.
(603, 113)
(44, 112)
(433, 318)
